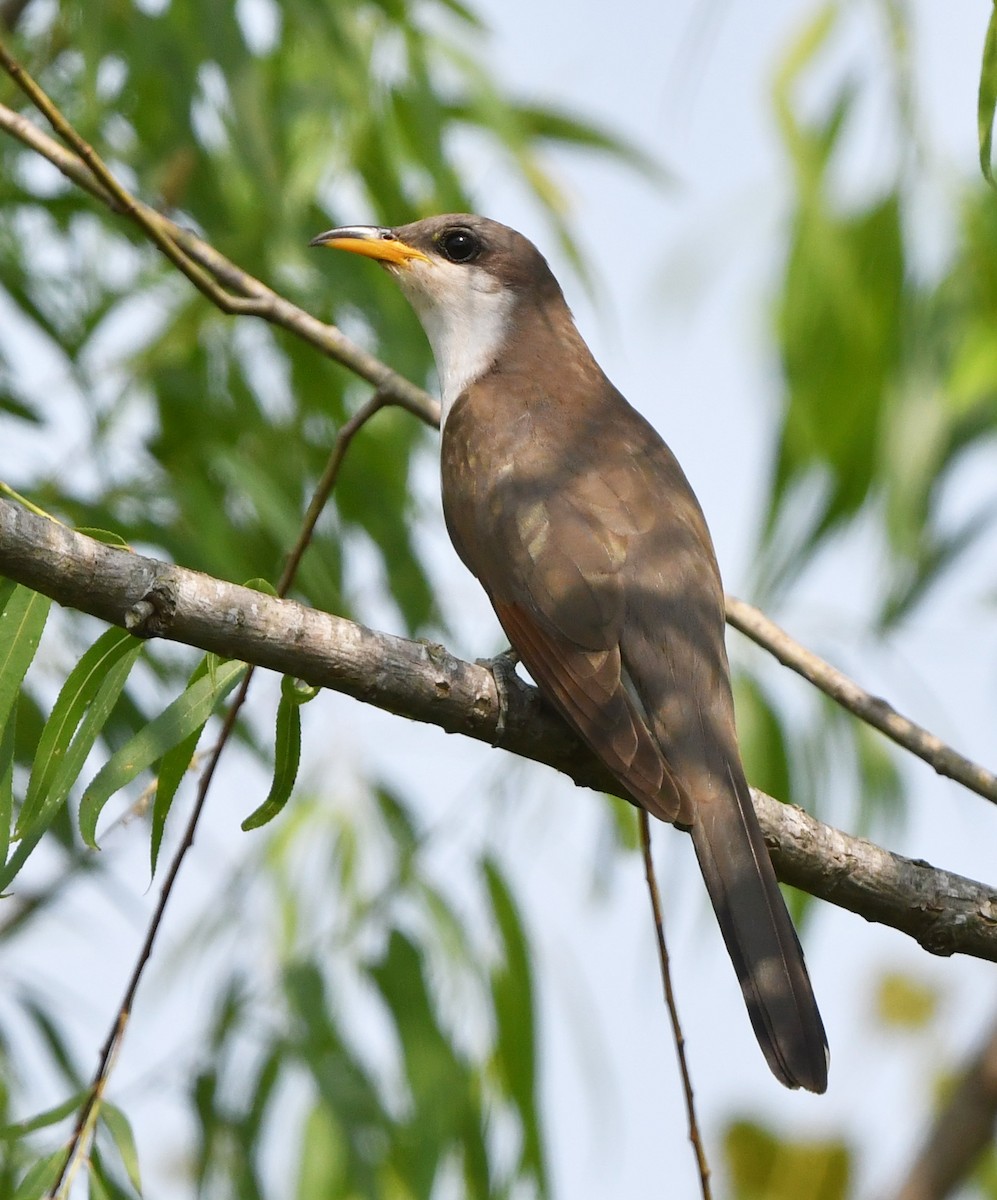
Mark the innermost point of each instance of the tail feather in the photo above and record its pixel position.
(760, 937)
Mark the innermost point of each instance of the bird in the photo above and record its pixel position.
(578, 521)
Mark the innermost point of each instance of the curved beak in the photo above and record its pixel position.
(372, 241)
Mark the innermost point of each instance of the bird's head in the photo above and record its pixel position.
(466, 277)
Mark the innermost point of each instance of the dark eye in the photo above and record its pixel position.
(459, 245)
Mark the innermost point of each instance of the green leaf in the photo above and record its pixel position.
(86, 700)
(107, 536)
(259, 584)
(287, 755)
(54, 1038)
(77, 718)
(446, 1105)
(321, 1158)
(987, 99)
(124, 1140)
(762, 1164)
(187, 713)
(7, 589)
(51, 1116)
(22, 618)
(173, 766)
(96, 1181)
(342, 1082)
(904, 1002)
(552, 125)
(762, 738)
(102, 1183)
(8, 741)
(40, 1179)
(512, 989)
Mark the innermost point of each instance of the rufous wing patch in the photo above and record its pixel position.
(586, 688)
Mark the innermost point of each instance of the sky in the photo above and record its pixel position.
(683, 279)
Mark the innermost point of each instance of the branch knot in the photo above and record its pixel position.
(152, 616)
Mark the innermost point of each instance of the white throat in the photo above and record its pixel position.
(465, 313)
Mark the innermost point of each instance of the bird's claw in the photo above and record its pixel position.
(503, 669)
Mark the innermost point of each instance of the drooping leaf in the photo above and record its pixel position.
(174, 765)
(987, 99)
(445, 1108)
(77, 718)
(124, 1141)
(42, 1120)
(22, 618)
(341, 1081)
(764, 1166)
(321, 1174)
(515, 1014)
(904, 1002)
(7, 743)
(79, 715)
(287, 754)
(40, 1179)
(177, 722)
(762, 738)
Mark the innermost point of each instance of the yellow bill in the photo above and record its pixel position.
(372, 241)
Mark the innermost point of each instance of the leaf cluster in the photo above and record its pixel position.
(127, 403)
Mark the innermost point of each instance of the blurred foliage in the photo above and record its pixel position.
(390, 951)
(889, 388)
(764, 1166)
(890, 376)
(905, 1003)
(987, 102)
(132, 406)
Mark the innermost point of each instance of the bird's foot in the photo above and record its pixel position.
(503, 669)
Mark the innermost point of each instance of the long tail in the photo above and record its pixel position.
(760, 937)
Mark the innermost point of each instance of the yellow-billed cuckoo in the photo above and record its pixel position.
(579, 523)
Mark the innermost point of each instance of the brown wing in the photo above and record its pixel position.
(586, 687)
(553, 542)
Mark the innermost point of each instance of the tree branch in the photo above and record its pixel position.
(874, 710)
(664, 962)
(269, 305)
(83, 1132)
(945, 913)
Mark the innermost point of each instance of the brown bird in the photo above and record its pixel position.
(579, 523)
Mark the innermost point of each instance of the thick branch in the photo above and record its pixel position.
(944, 912)
(273, 307)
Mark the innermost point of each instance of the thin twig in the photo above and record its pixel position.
(87, 1119)
(8, 491)
(695, 1137)
(270, 306)
(124, 201)
(875, 711)
(326, 482)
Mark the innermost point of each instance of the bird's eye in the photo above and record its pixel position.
(460, 245)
